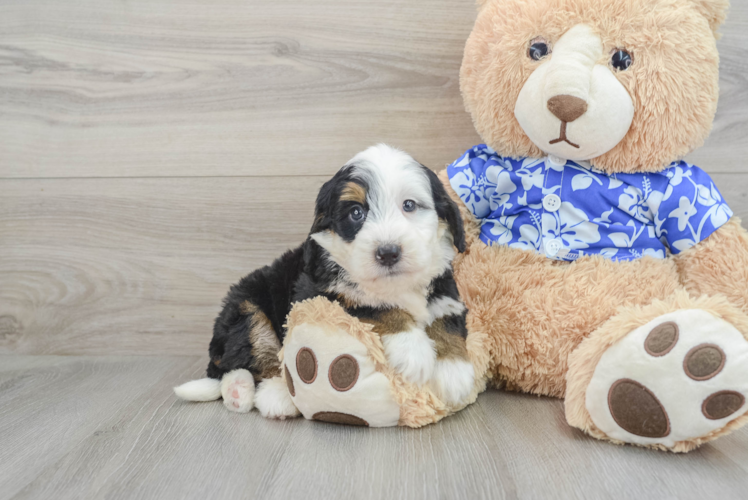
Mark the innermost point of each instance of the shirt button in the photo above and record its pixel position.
(556, 161)
(552, 247)
(551, 202)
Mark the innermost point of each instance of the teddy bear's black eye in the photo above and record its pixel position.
(538, 50)
(621, 60)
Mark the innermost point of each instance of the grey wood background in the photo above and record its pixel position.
(154, 151)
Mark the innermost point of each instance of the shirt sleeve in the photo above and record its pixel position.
(692, 208)
(467, 176)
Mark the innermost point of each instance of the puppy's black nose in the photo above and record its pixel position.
(388, 255)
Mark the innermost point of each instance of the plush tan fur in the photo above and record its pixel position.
(584, 359)
(541, 326)
(718, 265)
(673, 83)
(539, 310)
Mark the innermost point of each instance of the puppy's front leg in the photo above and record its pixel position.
(408, 348)
(412, 354)
(454, 375)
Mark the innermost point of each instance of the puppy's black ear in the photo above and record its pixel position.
(447, 210)
(325, 200)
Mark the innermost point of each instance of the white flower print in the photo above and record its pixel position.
(583, 181)
(626, 240)
(719, 213)
(572, 226)
(676, 176)
(501, 228)
(499, 187)
(633, 202)
(622, 217)
(604, 219)
(470, 190)
(683, 244)
(653, 252)
(683, 213)
(531, 178)
(529, 234)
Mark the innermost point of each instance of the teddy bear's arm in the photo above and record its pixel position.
(718, 265)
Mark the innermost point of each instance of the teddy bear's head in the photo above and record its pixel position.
(630, 85)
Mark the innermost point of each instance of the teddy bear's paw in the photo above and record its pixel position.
(238, 391)
(331, 378)
(453, 380)
(412, 354)
(678, 378)
(273, 400)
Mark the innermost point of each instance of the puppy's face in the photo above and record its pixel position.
(387, 222)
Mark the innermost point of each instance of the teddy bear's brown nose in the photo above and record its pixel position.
(567, 108)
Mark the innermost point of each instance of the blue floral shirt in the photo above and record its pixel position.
(567, 210)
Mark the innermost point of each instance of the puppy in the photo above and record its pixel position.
(382, 242)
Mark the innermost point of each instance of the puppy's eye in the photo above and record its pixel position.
(621, 60)
(356, 214)
(409, 205)
(539, 48)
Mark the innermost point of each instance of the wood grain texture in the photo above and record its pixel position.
(166, 88)
(109, 427)
(135, 265)
(140, 266)
(152, 152)
(229, 87)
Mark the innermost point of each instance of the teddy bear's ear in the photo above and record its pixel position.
(714, 11)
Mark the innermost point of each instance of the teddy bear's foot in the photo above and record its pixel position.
(674, 382)
(331, 377)
(273, 400)
(238, 391)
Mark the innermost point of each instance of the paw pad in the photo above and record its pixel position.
(704, 361)
(306, 365)
(343, 372)
(637, 410)
(335, 417)
(661, 339)
(289, 381)
(722, 404)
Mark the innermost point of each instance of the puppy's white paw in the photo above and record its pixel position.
(273, 400)
(412, 354)
(453, 380)
(238, 390)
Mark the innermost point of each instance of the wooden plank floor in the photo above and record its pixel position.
(109, 427)
(154, 151)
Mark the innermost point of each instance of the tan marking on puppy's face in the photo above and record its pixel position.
(448, 345)
(353, 192)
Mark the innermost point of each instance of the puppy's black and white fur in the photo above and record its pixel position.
(382, 243)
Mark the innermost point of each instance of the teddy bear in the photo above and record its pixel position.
(599, 266)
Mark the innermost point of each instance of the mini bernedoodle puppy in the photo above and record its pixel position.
(382, 244)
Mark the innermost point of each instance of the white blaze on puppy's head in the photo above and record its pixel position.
(387, 221)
